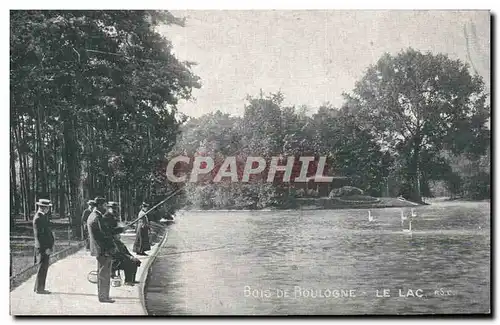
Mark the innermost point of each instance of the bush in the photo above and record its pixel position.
(477, 187)
(345, 191)
(230, 196)
(266, 195)
(312, 193)
(300, 192)
(454, 184)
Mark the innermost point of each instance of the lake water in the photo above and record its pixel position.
(331, 262)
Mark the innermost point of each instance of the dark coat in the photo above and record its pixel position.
(44, 238)
(142, 243)
(100, 235)
(112, 223)
(123, 256)
(85, 216)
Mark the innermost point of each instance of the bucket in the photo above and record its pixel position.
(92, 277)
(116, 282)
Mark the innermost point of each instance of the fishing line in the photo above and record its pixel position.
(194, 251)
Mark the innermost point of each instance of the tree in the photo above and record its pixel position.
(412, 101)
(93, 104)
(352, 150)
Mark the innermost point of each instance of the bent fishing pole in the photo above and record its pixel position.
(154, 207)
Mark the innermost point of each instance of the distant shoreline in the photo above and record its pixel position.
(383, 203)
(326, 204)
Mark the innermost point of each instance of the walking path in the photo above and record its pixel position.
(72, 294)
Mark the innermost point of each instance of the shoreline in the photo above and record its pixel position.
(145, 276)
(313, 204)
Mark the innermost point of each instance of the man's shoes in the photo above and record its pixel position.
(131, 284)
(108, 300)
(135, 281)
(43, 292)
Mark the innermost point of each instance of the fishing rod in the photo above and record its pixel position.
(226, 246)
(194, 251)
(157, 205)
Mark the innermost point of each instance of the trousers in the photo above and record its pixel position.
(85, 237)
(130, 270)
(103, 276)
(43, 267)
(128, 267)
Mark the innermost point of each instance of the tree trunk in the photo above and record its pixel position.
(414, 172)
(13, 174)
(21, 170)
(120, 203)
(55, 184)
(41, 178)
(62, 187)
(73, 168)
(13, 193)
(24, 173)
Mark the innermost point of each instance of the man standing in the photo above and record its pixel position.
(110, 218)
(44, 242)
(141, 244)
(102, 247)
(85, 217)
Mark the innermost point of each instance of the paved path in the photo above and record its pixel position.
(72, 294)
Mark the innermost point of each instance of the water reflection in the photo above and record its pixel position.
(245, 262)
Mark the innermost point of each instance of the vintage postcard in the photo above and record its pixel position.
(250, 162)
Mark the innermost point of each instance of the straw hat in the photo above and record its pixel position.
(112, 204)
(99, 200)
(44, 203)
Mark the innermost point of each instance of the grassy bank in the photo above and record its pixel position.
(354, 202)
(22, 246)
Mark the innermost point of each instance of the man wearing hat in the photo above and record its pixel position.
(111, 217)
(111, 220)
(44, 242)
(102, 247)
(141, 244)
(85, 217)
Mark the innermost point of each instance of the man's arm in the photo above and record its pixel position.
(85, 217)
(37, 231)
(97, 233)
(50, 238)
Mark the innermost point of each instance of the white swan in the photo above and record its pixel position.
(413, 213)
(370, 218)
(409, 228)
(403, 217)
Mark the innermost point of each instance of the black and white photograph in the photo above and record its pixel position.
(250, 162)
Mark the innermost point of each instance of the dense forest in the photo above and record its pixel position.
(93, 98)
(93, 106)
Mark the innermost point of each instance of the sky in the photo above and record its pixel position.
(312, 56)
